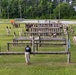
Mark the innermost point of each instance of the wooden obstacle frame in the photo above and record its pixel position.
(37, 42)
(46, 52)
(45, 29)
(42, 39)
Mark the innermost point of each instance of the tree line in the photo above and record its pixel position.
(37, 9)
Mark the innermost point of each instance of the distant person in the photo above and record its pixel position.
(72, 30)
(8, 31)
(14, 41)
(27, 54)
(27, 29)
(14, 35)
(12, 21)
(21, 30)
(54, 35)
(74, 40)
(20, 34)
(65, 31)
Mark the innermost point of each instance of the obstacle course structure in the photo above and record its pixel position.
(44, 37)
(37, 39)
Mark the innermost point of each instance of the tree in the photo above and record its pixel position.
(4, 8)
(43, 9)
(65, 10)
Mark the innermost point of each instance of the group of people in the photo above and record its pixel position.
(20, 33)
(8, 30)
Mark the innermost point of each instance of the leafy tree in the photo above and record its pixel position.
(4, 8)
(64, 9)
(43, 9)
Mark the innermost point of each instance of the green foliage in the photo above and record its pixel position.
(35, 9)
(65, 11)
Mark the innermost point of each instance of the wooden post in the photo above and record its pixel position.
(36, 46)
(8, 46)
(67, 48)
(68, 57)
(39, 40)
(67, 39)
(33, 48)
(0, 47)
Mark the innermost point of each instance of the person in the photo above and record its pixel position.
(12, 21)
(27, 54)
(20, 34)
(54, 35)
(8, 31)
(74, 40)
(14, 35)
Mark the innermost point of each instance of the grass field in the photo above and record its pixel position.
(40, 64)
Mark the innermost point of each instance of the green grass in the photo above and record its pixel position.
(40, 64)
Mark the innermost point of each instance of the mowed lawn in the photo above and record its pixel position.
(40, 64)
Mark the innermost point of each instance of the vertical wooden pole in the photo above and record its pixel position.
(0, 47)
(8, 46)
(39, 40)
(36, 46)
(67, 48)
(68, 57)
(67, 39)
(33, 48)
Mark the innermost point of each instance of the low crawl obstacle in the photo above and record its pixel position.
(44, 41)
(22, 53)
(65, 42)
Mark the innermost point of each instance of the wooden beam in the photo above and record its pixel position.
(51, 52)
(11, 53)
(43, 52)
(42, 39)
(41, 43)
(22, 53)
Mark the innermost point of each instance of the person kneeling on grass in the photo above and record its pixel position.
(27, 54)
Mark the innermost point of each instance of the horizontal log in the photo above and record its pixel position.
(41, 39)
(51, 52)
(43, 52)
(51, 32)
(11, 53)
(19, 43)
(46, 27)
(44, 43)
